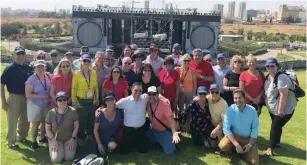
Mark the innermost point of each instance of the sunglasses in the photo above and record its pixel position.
(40, 57)
(151, 94)
(61, 100)
(87, 61)
(202, 93)
(21, 53)
(54, 55)
(153, 50)
(116, 72)
(127, 63)
(84, 50)
(147, 70)
(65, 66)
(270, 66)
(214, 92)
(186, 61)
(136, 90)
(208, 60)
(221, 58)
(168, 64)
(238, 62)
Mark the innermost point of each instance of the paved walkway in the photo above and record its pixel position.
(297, 57)
(269, 54)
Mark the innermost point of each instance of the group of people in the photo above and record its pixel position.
(104, 100)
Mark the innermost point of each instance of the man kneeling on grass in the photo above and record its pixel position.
(240, 127)
(163, 125)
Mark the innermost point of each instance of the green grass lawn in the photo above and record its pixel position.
(292, 152)
(300, 53)
(284, 57)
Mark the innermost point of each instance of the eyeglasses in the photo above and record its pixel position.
(221, 58)
(116, 72)
(153, 50)
(84, 50)
(21, 53)
(61, 100)
(151, 94)
(208, 60)
(136, 90)
(186, 61)
(214, 92)
(147, 70)
(40, 66)
(237, 62)
(40, 57)
(168, 64)
(54, 55)
(87, 61)
(127, 63)
(270, 66)
(65, 66)
(202, 93)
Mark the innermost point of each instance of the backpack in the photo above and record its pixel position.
(298, 91)
(91, 159)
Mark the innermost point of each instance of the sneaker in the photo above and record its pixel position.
(268, 153)
(218, 152)
(34, 145)
(13, 147)
(44, 140)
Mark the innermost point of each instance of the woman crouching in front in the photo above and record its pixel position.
(62, 124)
(107, 125)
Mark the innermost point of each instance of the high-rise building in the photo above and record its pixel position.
(219, 8)
(231, 9)
(146, 4)
(242, 10)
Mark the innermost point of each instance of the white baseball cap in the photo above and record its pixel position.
(152, 89)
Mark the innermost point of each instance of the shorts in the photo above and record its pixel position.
(35, 113)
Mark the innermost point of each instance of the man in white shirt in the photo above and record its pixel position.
(220, 71)
(135, 123)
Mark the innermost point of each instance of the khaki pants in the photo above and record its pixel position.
(251, 157)
(17, 116)
(63, 152)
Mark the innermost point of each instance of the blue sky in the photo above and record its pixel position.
(205, 5)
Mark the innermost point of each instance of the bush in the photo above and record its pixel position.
(29, 44)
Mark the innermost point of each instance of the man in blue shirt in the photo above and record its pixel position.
(240, 127)
(14, 77)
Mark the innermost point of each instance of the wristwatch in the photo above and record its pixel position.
(73, 138)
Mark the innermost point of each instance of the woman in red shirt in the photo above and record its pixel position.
(170, 83)
(115, 83)
(61, 81)
(252, 81)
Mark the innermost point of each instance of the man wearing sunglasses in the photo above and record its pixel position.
(14, 77)
(176, 54)
(129, 74)
(153, 59)
(110, 62)
(217, 108)
(163, 125)
(83, 50)
(220, 71)
(208, 58)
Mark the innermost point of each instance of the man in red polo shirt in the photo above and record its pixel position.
(203, 69)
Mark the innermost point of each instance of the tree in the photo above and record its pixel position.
(250, 35)
(10, 29)
(228, 21)
(24, 31)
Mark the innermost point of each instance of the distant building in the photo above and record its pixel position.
(231, 9)
(291, 13)
(219, 8)
(242, 10)
(146, 4)
(250, 14)
(231, 38)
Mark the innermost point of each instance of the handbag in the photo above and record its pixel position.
(85, 102)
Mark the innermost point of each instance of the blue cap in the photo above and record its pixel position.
(60, 94)
(214, 86)
(54, 52)
(109, 96)
(19, 49)
(69, 53)
(85, 57)
(220, 55)
(201, 89)
(271, 61)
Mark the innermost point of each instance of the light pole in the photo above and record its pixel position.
(131, 27)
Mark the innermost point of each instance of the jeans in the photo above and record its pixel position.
(276, 128)
(164, 138)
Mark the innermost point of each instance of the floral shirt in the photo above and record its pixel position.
(200, 118)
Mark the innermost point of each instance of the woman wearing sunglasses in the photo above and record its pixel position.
(115, 83)
(280, 101)
(200, 126)
(61, 81)
(41, 55)
(208, 58)
(148, 78)
(127, 52)
(85, 97)
(138, 57)
(38, 98)
(231, 79)
(62, 124)
(107, 125)
(170, 83)
(187, 82)
(252, 81)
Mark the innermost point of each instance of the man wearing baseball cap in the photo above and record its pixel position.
(154, 59)
(14, 77)
(163, 125)
(110, 62)
(220, 71)
(176, 54)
